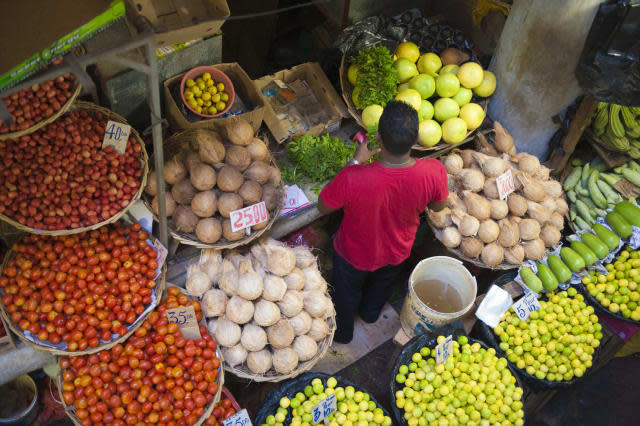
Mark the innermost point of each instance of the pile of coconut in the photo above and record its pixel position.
(480, 224)
(212, 178)
(269, 309)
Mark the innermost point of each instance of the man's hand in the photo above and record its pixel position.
(363, 154)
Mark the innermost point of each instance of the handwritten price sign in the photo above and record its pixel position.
(505, 184)
(443, 350)
(116, 135)
(526, 305)
(323, 409)
(248, 216)
(187, 322)
(241, 418)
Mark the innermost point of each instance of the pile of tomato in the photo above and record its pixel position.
(82, 289)
(156, 376)
(222, 411)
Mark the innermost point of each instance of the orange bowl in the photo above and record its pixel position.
(217, 76)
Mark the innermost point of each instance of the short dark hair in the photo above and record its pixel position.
(398, 127)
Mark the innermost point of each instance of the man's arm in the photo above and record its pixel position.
(324, 209)
(436, 207)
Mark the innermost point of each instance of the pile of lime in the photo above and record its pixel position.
(472, 387)
(557, 341)
(618, 289)
(354, 408)
(205, 96)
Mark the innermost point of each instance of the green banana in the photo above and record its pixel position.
(628, 118)
(601, 120)
(614, 120)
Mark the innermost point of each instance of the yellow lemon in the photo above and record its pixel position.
(199, 80)
(454, 130)
(190, 83)
(209, 83)
(216, 98)
(470, 75)
(473, 115)
(206, 76)
(213, 110)
(429, 63)
(352, 73)
(224, 97)
(207, 103)
(408, 50)
(220, 87)
(213, 90)
(429, 133)
(202, 86)
(488, 85)
(371, 115)
(200, 101)
(411, 97)
(220, 106)
(206, 96)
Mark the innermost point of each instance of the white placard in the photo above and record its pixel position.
(248, 216)
(241, 418)
(185, 317)
(527, 304)
(294, 199)
(505, 184)
(116, 135)
(323, 409)
(444, 349)
(492, 308)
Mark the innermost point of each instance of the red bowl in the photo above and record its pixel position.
(217, 76)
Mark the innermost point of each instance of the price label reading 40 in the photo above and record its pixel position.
(505, 184)
(248, 216)
(116, 135)
(241, 418)
(323, 409)
(187, 322)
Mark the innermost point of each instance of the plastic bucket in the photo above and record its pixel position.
(26, 388)
(417, 318)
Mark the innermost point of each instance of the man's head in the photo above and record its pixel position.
(398, 127)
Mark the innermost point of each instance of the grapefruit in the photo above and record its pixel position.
(411, 97)
(429, 133)
(426, 110)
(447, 85)
(473, 115)
(454, 130)
(406, 69)
(424, 84)
(451, 69)
(354, 96)
(488, 85)
(445, 108)
(352, 73)
(429, 63)
(403, 86)
(408, 50)
(463, 96)
(470, 75)
(371, 115)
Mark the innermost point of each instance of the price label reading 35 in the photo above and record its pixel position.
(116, 135)
(187, 322)
(248, 216)
(241, 418)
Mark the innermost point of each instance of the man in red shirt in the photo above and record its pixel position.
(382, 202)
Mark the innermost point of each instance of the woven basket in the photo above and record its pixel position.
(184, 141)
(158, 291)
(144, 162)
(41, 124)
(347, 89)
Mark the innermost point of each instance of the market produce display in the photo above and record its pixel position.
(206, 96)
(208, 178)
(473, 386)
(156, 376)
(269, 309)
(60, 178)
(477, 224)
(82, 291)
(618, 127)
(225, 408)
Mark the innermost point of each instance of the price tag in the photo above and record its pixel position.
(248, 216)
(187, 322)
(294, 199)
(505, 184)
(444, 349)
(323, 409)
(116, 135)
(527, 304)
(241, 418)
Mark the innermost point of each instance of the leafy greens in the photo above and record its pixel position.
(377, 78)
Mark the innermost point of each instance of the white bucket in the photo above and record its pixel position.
(417, 318)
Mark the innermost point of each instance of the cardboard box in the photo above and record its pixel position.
(177, 21)
(323, 91)
(244, 88)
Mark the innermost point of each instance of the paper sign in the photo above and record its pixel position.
(241, 418)
(527, 304)
(323, 409)
(443, 350)
(187, 322)
(116, 135)
(496, 302)
(248, 216)
(294, 199)
(505, 184)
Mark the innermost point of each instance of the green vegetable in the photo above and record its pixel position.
(571, 195)
(572, 212)
(632, 176)
(607, 191)
(580, 190)
(634, 166)
(581, 223)
(588, 202)
(572, 179)
(530, 279)
(594, 191)
(606, 236)
(583, 250)
(377, 78)
(598, 165)
(559, 269)
(573, 260)
(594, 243)
(583, 210)
(630, 212)
(549, 281)
(584, 178)
(610, 178)
(619, 224)
(576, 162)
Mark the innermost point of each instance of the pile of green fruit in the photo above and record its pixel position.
(472, 387)
(355, 408)
(618, 127)
(557, 342)
(618, 289)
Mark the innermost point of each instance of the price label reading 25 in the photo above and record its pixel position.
(248, 216)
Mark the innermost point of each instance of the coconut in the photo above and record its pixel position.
(258, 171)
(266, 313)
(253, 338)
(280, 259)
(305, 347)
(275, 177)
(515, 219)
(234, 355)
(250, 284)
(210, 147)
(491, 166)
(192, 160)
(549, 203)
(455, 203)
(488, 231)
(313, 279)
(451, 237)
(492, 255)
(532, 190)
(517, 204)
(477, 206)
(533, 249)
(258, 150)
(202, 177)
(291, 303)
(211, 263)
(185, 219)
(528, 163)
(304, 257)
(174, 170)
(204, 204)
(509, 233)
(239, 310)
(209, 230)
(553, 188)
(499, 209)
(543, 173)
(556, 220)
(239, 132)
(483, 146)
(301, 323)
(251, 192)
(211, 326)
(229, 202)
(228, 233)
(169, 203)
(295, 280)
(529, 229)
(514, 255)
(228, 281)
(259, 255)
(259, 362)
(550, 235)
(319, 329)
(471, 247)
(274, 288)
(452, 185)
(315, 303)
(214, 303)
(152, 184)
(561, 206)
(467, 157)
(227, 332)
(183, 192)
(229, 179)
(238, 157)
(503, 140)
(538, 212)
(270, 196)
(280, 335)
(471, 179)
(198, 281)
(441, 219)
(490, 189)
(285, 360)
(453, 163)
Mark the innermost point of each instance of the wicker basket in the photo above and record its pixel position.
(347, 90)
(144, 161)
(157, 292)
(41, 124)
(184, 141)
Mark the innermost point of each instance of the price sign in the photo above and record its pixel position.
(323, 409)
(294, 199)
(116, 135)
(505, 184)
(527, 304)
(241, 418)
(187, 322)
(444, 349)
(248, 216)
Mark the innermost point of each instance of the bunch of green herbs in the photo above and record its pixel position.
(377, 78)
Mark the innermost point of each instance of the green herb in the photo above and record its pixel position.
(377, 78)
(372, 137)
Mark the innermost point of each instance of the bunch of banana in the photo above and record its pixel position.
(618, 127)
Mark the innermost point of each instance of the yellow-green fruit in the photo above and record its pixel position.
(447, 85)
(454, 130)
(408, 50)
(411, 97)
(488, 85)
(449, 69)
(470, 75)
(352, 74)
(371, 115)
(354, 96)
(426, 110)
(406, 69)
(473, 115)
(445, 108)
(429, 63)
(463, 96)
(429, 133)
(424, 84)
(403, 86)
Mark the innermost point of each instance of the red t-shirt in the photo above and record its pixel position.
(382, 208)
